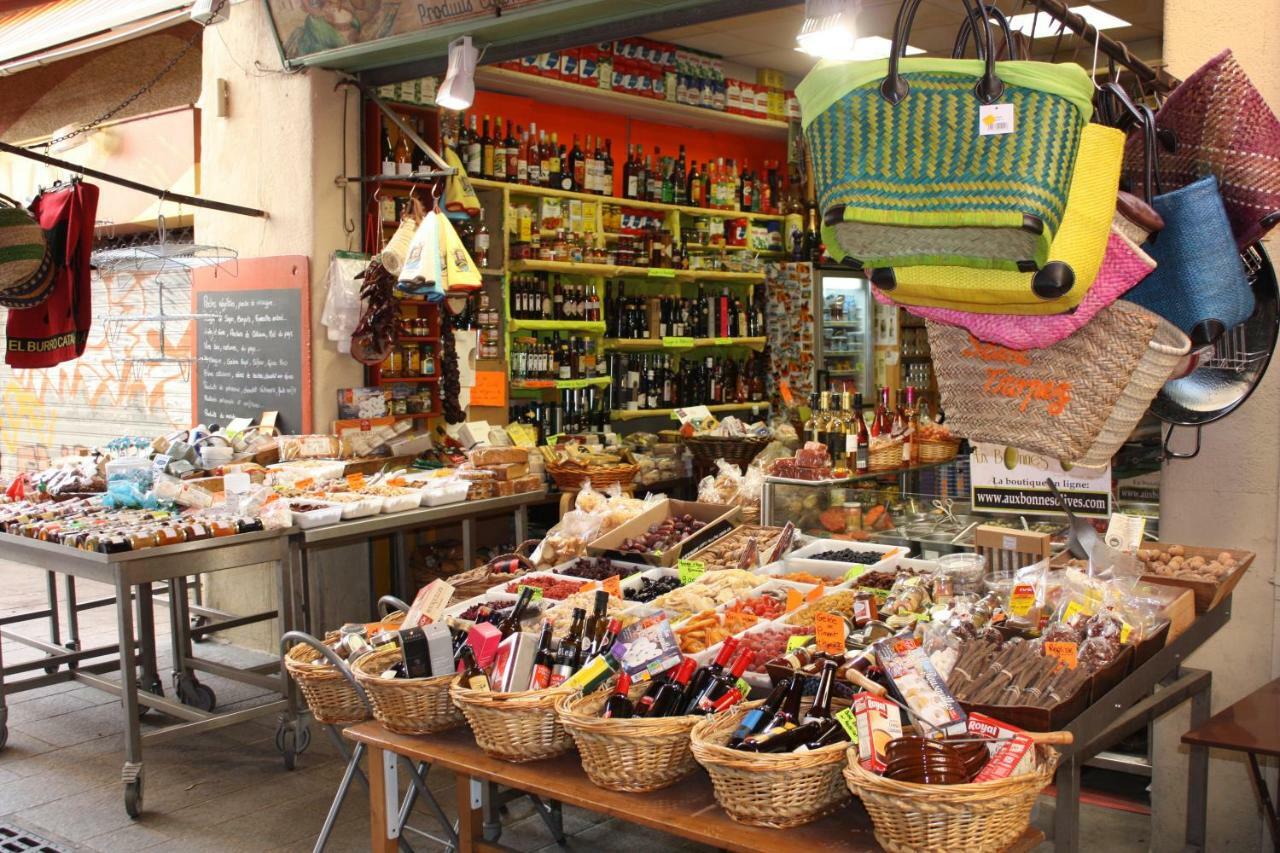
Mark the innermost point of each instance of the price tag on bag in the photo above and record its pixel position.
(1065, 651)
(995, 119)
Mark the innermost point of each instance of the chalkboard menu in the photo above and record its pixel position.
(252, 344)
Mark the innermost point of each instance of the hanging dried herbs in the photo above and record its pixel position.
(450, 383)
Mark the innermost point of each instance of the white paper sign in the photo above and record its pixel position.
(1005, 479)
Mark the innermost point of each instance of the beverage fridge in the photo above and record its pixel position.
(844, 344)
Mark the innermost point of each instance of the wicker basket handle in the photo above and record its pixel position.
(292, 637)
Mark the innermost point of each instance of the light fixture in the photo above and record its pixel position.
(1043, 25)
(872, 47)
(459, 87)
(829, 28)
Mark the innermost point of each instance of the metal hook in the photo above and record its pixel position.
(1173, 454)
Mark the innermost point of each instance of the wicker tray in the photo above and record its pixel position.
(632, 755)
(887, 457)
(571, 477)
(977, 817)
(779, 791)
(515, 726)
(481, 579)
(739, 450)
(331, 697)
(932, 451)
(407, 706)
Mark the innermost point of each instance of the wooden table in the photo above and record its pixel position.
(1248, 726)
(687, 809)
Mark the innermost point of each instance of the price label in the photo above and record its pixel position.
(613, 586)
(1125, 630)
(742, 686)
(794, 599)
(848, 723)
(690, 570)
(1022, 599)
(397, 482)
(855, 571)
(574, 383)
(817, 592)
(304, 483)
(788, 398)
(662, 272)
(799, 642)
(355, 482)
(722, 342)
(829, 632)
(677, 343)
(537, 591)
(1065, 652)
(1075, 609)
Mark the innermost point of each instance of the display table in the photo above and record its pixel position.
(687, 809)
(1248, 726)
(138, 570)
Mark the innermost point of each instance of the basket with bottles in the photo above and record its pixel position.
(634, 737)
(327, 690)
(404, 704)
(772, 766)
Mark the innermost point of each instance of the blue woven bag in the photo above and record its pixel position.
(936, 162)
(1200, 283)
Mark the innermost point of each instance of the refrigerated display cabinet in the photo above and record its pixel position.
(844, 355)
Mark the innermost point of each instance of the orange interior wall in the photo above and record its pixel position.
(699, 145)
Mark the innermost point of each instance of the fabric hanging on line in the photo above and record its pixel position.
(58, 329)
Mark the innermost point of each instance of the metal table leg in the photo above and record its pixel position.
(402, 583)
(73, 616)
(131, 774)
(4, 708)
(55, 629)
(522, 523)
(1264, 797)
(1198, 775)
(468, 543)
(292, 734)
(189, 689)
(146, 623)
(1066, 811)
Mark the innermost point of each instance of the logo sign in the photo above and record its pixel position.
(1009, 480)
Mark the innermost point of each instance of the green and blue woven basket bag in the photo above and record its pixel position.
(962, 162)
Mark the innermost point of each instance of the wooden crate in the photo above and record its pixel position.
(1208, 594)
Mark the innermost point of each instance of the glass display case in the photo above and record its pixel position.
(845, 345)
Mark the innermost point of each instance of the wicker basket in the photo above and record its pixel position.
(976, 817)
(886, 457)
(571, 477)
(407, 706)
(933, 450)
(481, 579)
(331, 697)
(515, 726)
(739, 450)
(632, 755)
(761, 789)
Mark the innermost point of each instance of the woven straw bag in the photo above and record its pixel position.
(763, 789)
(911, 168)
(977, 817)
(1123, 266)
(1074, 401)
(1224, 128)
(26, 259)
(633, 755)
(1074, 259)
(328, 692)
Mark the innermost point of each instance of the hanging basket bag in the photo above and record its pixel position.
(26, 260)
(1076, 401)
(944, 161)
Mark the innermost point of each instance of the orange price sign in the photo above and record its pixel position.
(1065, 651)
(355, 482)
(817, 592)
(794, 599)
(829, 632)
(785, 390)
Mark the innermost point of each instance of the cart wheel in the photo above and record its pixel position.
(133, 797)
(199, 622)
(154, 687)
(292, 742)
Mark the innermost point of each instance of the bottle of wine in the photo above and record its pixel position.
(669, 697)
(473, 676)
(862, 439)
(569, 651)
(511, 624)
(722, 684)
(703, 677)
(758, 716)
(486, 151)
(815, 721)
(784, 719)
(596, 622)
(619, 705)
(543, 660)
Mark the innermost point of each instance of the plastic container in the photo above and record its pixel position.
(328, 514)
(367, 505)
(965, 569)
(401, 503)
(803, 560)
(448, 493)
(137, 470)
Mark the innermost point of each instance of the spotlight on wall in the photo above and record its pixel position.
(459, 87)
(829, 29)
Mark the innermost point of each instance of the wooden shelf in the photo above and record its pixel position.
(550, 91)
(613, 271)
(559, 384)
(517, 325)
(660, 343)
(627, 415)
(417, 416)
(713, 248)
(400, 380)
(530, 190)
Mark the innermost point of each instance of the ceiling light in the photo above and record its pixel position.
(829, 28)
(871, 47)
(1045, 25)
(459, 87)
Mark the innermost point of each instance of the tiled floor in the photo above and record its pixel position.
(227, 790)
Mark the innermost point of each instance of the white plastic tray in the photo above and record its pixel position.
(330, 514)
(451, 494)
(802, 561)
(401, 503)
(366, 506)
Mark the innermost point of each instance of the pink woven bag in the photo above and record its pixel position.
(1123, 266)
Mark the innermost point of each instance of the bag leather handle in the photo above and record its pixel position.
(1012, 45)
(1133, 115)
(894, 88)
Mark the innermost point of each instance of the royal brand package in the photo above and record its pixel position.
(513, 664)
(1012, 751)
(918, 683)
(878, 722)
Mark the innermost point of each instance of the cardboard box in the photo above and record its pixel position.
(712, 514)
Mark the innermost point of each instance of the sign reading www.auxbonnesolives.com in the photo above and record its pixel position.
(1009, 480)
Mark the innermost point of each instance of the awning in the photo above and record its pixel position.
(38, 32)
(401, 41)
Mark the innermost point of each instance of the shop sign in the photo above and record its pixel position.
(309, 28)
(1009, 480)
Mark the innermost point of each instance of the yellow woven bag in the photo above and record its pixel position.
(1074, 258)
